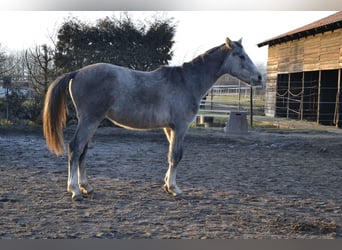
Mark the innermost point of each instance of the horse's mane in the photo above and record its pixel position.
(201, 58)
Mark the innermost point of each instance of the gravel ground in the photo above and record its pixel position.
(268, 184)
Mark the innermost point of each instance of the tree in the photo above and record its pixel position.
(2, 61)
(7, 63)
(40, 67)
(263, 71)
(71, 45)
(116, 41)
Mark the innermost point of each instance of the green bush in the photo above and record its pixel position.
(21, 106)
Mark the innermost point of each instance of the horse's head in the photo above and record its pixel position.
(237, 63)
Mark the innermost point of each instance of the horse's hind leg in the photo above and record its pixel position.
(83, 184)
(77, 179)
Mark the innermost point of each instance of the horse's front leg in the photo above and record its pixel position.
(175, 155)
(170, 185)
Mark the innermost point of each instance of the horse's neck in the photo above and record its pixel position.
(202, 74)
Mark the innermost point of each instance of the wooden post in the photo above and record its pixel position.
(288, 97)
(211, 98)
(239, 95)
(302, 99)
(7, 84)
(319, 96)
(251, 103)
(337, 105)
(7, 116)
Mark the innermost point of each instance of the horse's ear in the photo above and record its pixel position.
(229, 43)
(240, 41)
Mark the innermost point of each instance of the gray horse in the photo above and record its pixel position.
(167, 98)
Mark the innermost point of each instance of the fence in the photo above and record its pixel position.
(222, 99)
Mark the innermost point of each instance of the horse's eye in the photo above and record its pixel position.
(242, 57)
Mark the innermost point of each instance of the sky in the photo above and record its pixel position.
(196, 31)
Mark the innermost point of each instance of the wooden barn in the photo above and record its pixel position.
(304, 72)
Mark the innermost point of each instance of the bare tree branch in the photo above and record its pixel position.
(39, 65)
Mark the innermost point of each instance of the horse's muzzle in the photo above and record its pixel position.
(257, 80)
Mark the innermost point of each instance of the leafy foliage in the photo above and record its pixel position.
(116, 41)
(21, 105)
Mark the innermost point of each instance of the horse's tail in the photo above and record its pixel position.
(55, 113)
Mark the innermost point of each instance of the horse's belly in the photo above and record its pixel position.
(138, 119)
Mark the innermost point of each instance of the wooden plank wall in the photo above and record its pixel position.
(316, 52)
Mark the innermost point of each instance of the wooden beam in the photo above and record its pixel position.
(337, 105)
(319, 96)
(288, 96)
(302, 99)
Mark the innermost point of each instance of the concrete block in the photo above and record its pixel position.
(237, 123)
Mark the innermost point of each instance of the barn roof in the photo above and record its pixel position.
(328, 23)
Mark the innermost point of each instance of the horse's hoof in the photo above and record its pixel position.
(177, 194)
(90, 195)
(166, 189)
(175, 191)
(86, 190)
(78, 197)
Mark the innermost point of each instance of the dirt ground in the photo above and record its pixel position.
(270, 183)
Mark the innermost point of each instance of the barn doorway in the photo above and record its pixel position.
(290, 94)
(313, 96)
(310, 96)
(295, 95)
(328, 91)
(282, 95)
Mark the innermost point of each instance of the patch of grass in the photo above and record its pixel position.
(31, 123)
(244, 101)
(5, 122)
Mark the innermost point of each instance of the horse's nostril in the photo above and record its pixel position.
(259, 77)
